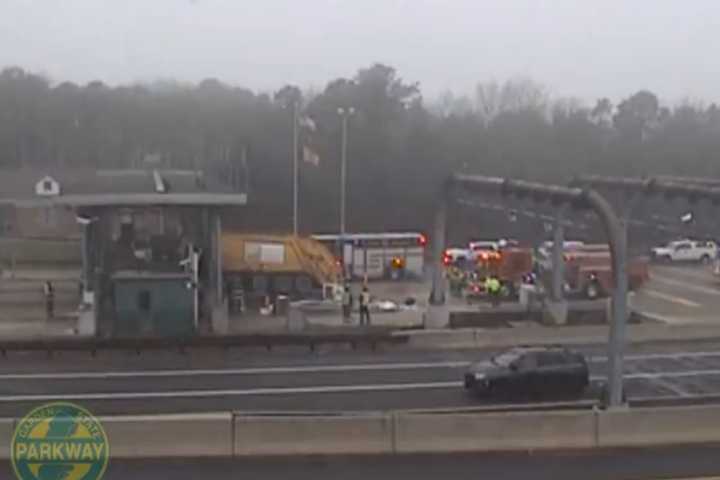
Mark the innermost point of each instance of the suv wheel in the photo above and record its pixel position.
(705, 259)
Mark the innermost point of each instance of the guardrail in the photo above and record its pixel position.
(249, 434)
(370, 336)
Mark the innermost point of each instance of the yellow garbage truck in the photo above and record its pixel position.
(258, 268)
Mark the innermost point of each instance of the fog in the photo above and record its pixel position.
(576, 48)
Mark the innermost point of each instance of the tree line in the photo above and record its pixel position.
(400, 145)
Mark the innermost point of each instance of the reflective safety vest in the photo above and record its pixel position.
(492, 285)
(365, 299)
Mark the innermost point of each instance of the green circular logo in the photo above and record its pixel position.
(59, 441)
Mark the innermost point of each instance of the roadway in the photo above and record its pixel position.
(329, 380)
(680, 295)
(697, 462)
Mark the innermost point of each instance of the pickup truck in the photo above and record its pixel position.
(686, 251)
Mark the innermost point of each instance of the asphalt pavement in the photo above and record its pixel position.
(328, 380)
(696, 462)
(680, 295)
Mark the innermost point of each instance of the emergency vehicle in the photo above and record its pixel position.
(379, 255)
(588, 271)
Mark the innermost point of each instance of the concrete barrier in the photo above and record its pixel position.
(227, 434)
(7, 430)
(442, 338)
(494, 431)
(149, 436)
(658, 426)
(304, 435)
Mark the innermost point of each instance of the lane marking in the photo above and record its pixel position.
(681, 374)
(236, 371)
(389, 387)
(232, 393)
(702, 274)
(685, 285)
(311, 368)
(670, 298)
(672, 320)
(667, 384)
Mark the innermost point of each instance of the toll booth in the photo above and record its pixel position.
(150, 244)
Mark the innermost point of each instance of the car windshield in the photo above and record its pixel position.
(505, 359)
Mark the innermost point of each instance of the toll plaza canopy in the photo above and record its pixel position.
(115, 188)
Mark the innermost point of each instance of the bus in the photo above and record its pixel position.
(379, 255)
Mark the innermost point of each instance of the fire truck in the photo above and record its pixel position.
(511, 265)
(588, 271)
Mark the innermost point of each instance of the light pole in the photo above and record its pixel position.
(295, 166)
(344, 113)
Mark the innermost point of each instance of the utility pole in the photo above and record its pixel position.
(344, 113)
(295, 107)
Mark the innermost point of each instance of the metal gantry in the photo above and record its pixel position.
(459, 186)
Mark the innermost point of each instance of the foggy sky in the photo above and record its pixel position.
(582, 48)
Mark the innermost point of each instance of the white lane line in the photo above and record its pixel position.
(657, 375)
(232, 393)
(681, 374)
(669, 385)
(701, 274)
(685, 285)
(668, 356)
(389, 387)
(234, 371)
(670, 298)
(310, 368)
(671, 320)
(320, 389)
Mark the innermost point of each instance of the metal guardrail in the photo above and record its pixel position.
(372, 337)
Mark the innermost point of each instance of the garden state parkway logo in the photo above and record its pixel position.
(59, 441)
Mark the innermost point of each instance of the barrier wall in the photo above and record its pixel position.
(657, 426)
(494, 431)
(7, 429)
(227, 434)
(304, 435)
(196, 435)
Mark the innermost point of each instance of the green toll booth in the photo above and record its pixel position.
(153, 304)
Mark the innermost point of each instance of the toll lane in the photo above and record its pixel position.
(331, 382)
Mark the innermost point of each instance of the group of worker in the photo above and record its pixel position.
(458, 281)
(364, 305)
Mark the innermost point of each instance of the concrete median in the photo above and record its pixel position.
(658, 426)
(494, 431)
(149, 436)
(306, 435)
(7, 429)
(245, 435)
(442, 338)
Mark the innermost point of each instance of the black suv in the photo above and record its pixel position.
(530, 371)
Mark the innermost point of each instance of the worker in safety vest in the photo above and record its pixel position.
(365, 306)
(493, 288)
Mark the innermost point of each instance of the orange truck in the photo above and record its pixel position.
(588, 271)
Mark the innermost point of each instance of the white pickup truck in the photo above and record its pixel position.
(686, 251)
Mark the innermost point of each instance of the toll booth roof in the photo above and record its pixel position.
(99, 188)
